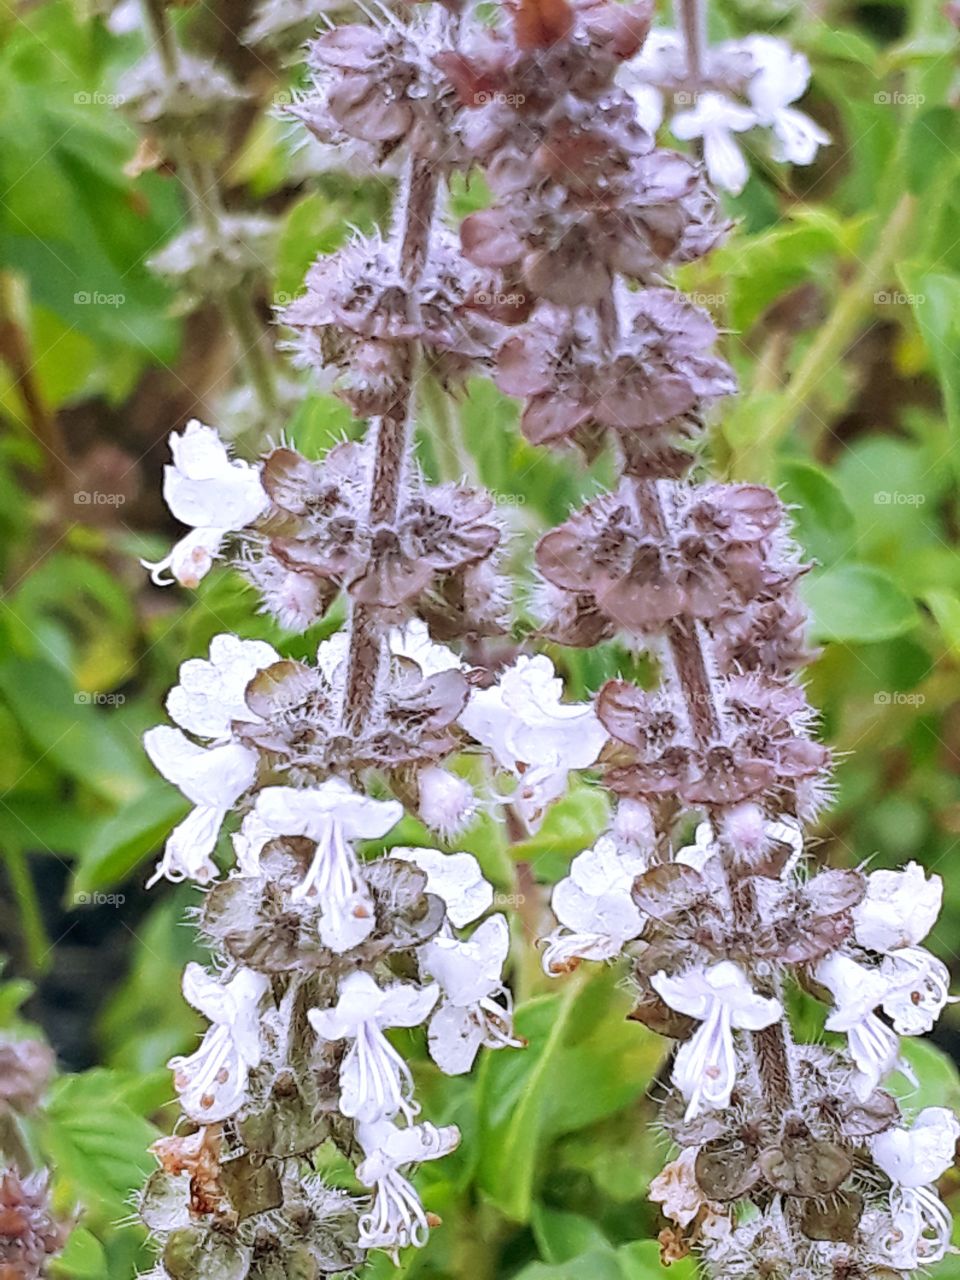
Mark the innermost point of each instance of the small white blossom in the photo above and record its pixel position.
(899, 909)
(715, 119)
(212, 1082)
(721, 998)
(332, 815)
(919, 990)
(211, 692)
(396, 1217)
(454, 877)
(533, 734)
(209, 491)
(857, 992)
(781, 77)
(594, 906)
(375, 1082)
(213, 778)
(470, 976)
(913, 1159)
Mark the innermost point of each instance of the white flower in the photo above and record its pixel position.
(332, 815)
(781, 77)
(704, 846)
(412, 641)
(397, 1217)
(920, 988)
(454, 877)
(212, 1082)
(899, 910)
(721, 998)
(206, 489)
(375, 1081)
(857, 991)
(913, 1159)
(214, 778)
(532, 733)
(211, 692)
(470, 975)
(715, 119)
(594, 906)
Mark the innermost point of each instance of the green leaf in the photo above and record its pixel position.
(933, 148)
(584, 1062)
(561, 1236)
(935, 300)
(118, 844)
(823, 522)
(95, 1141)
(83, 1257)
(855, 603)
(75, 735)
(939, 1081)
(945, 607)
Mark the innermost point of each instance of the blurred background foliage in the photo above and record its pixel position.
(839, 294)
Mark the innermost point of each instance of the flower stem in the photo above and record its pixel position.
(203, 193)
(391, 446)
(831, 343)
(691, 18)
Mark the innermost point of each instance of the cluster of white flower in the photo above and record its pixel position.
(245, 719)
(745, 84)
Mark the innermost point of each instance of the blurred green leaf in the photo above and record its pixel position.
(96, 1141)
(854, 603)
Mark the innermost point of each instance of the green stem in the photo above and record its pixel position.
(31, 920)
(443, 425)
(853, 305)
(200, 183)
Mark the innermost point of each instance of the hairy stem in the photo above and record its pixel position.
(391, 445)
(691, 17)
(692, 676)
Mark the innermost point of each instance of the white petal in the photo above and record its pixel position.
(468, 971)
(919, 1155)
(454, 877)
(190, 559)
(523, 721)
(899, 910)
(725, 162)
(212, 1082)
(797, 138)
(204, 488)
(211, 692)
(186, 855)
(413, 641)
(454, 1039)
(310, 812)
(215, 776)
